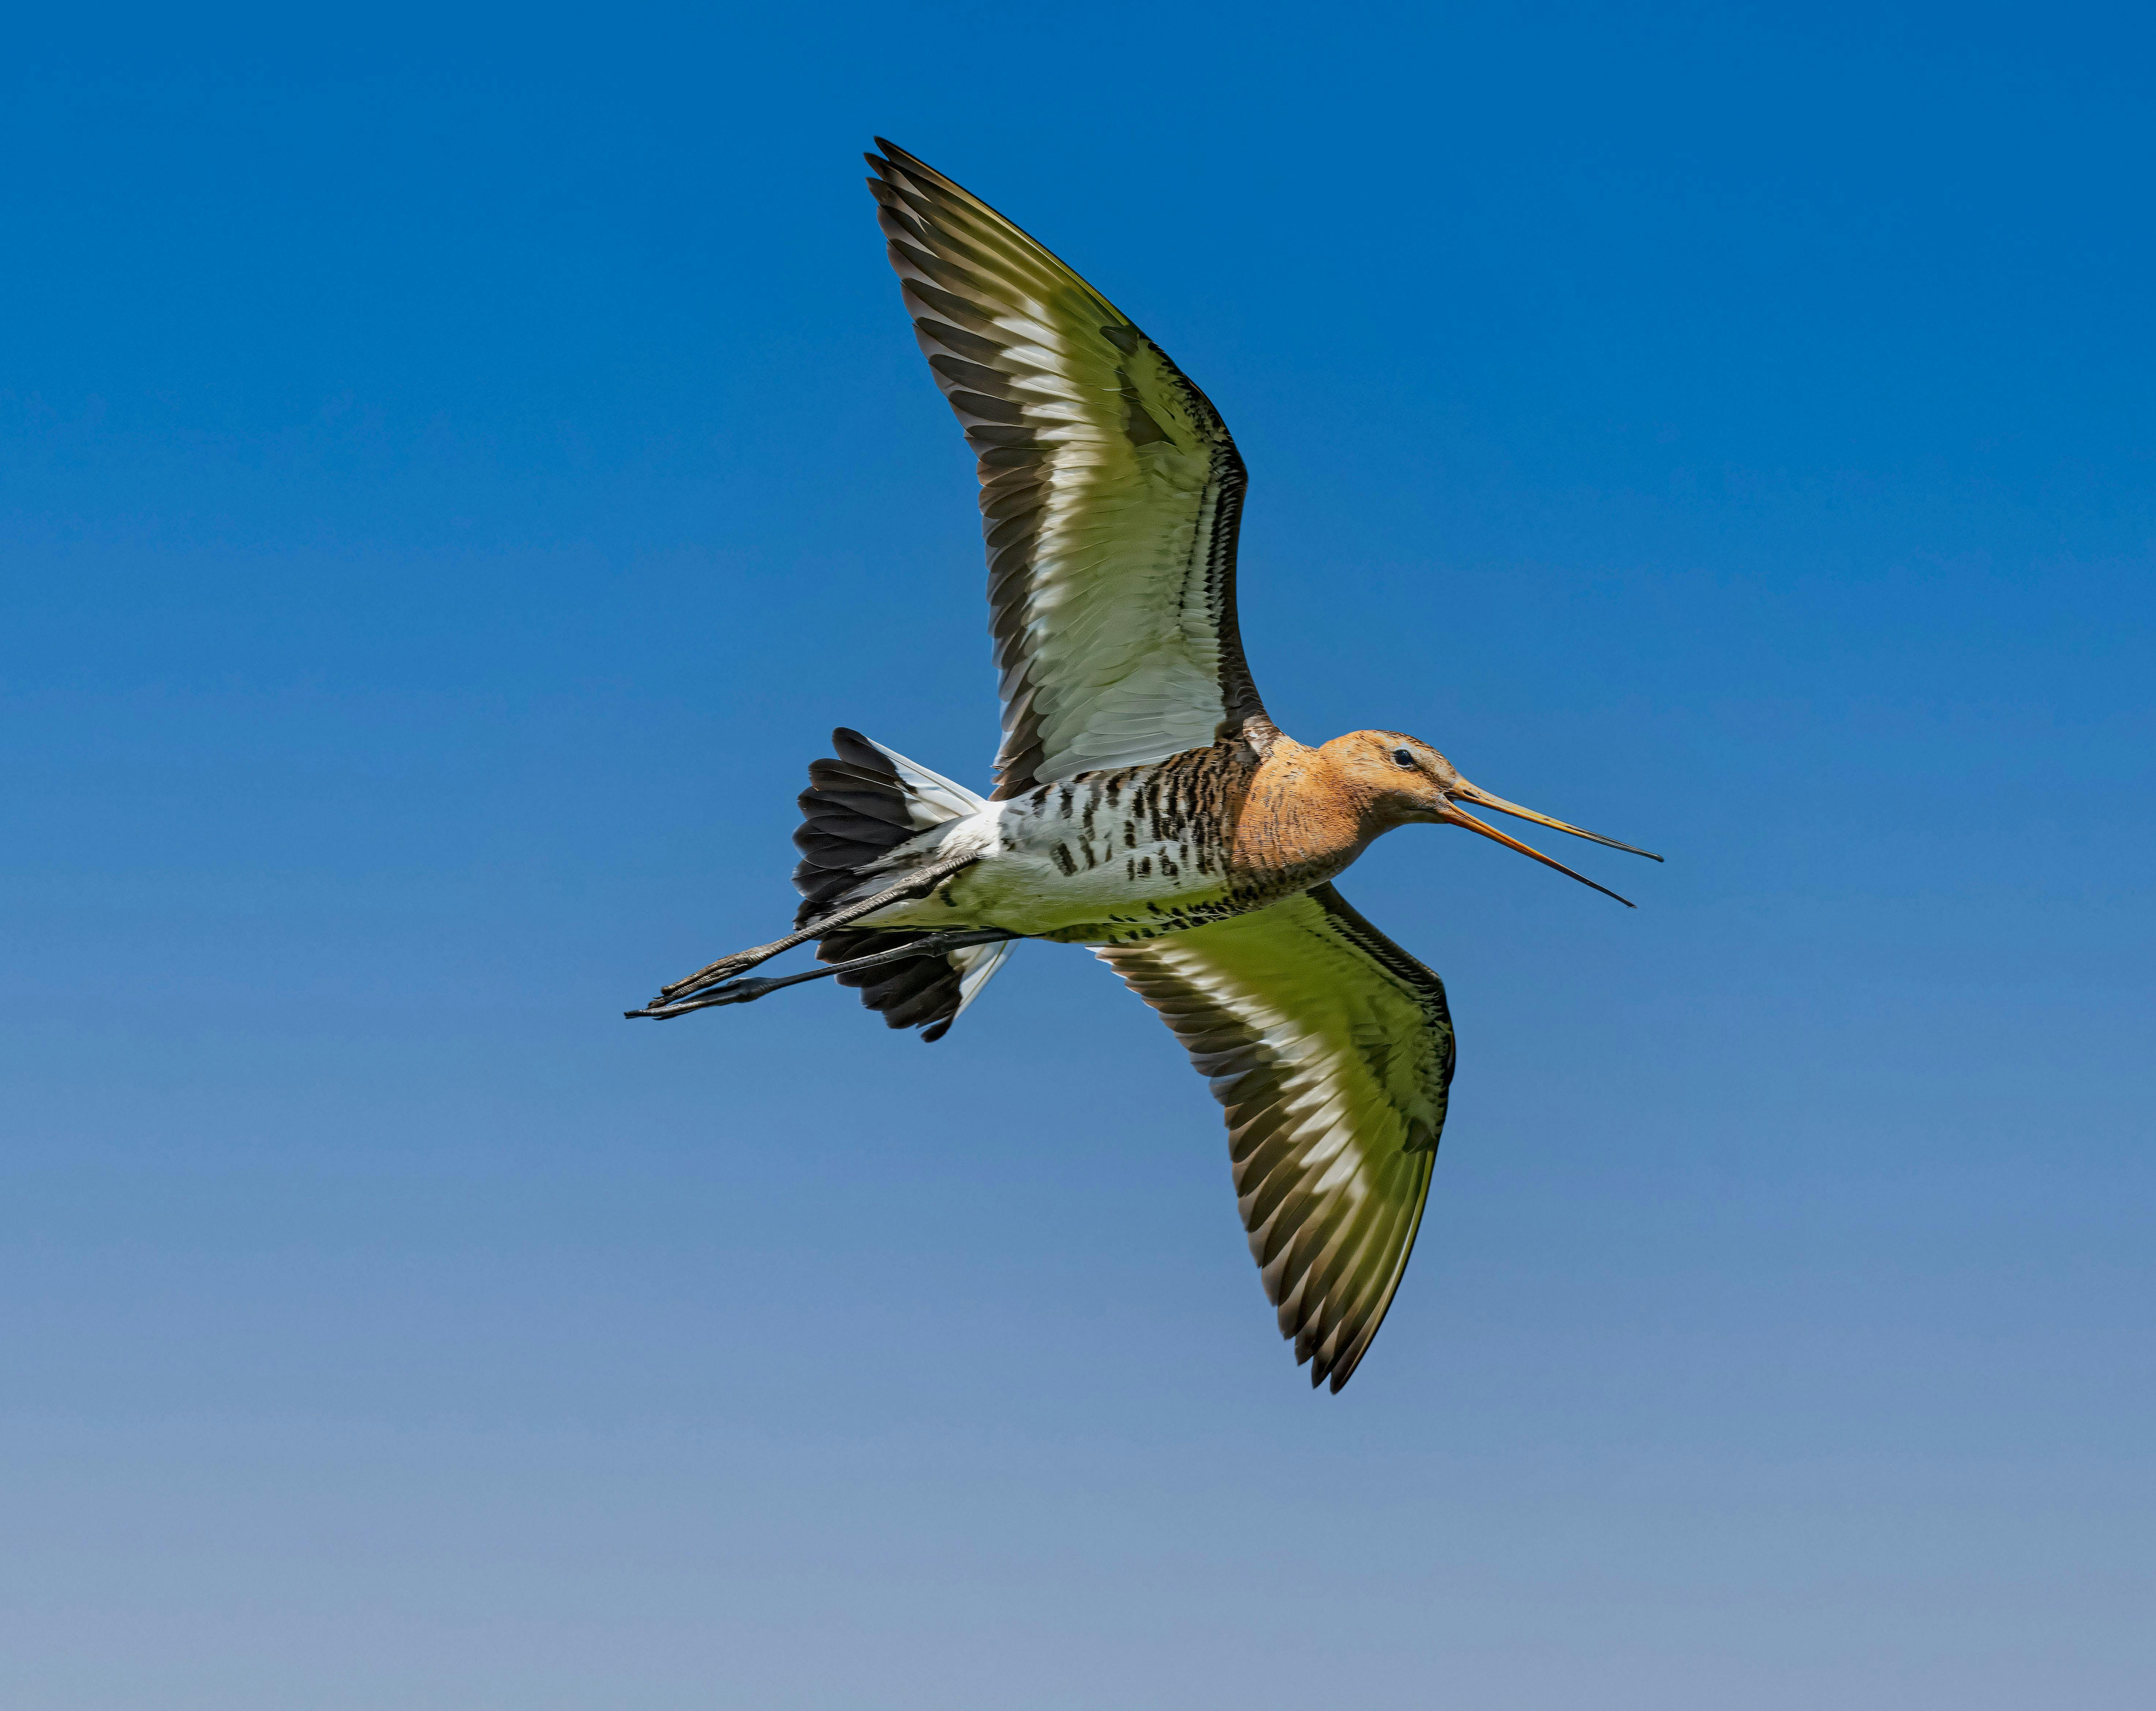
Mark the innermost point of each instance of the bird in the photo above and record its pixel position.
(1144, 804)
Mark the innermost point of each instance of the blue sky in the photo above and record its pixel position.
(454, 469)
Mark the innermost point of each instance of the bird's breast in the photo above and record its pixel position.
(1296, 825)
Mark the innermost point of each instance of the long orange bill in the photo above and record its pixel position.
(1461, 817)
(1482, 799)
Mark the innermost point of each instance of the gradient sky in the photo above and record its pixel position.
(454, 469)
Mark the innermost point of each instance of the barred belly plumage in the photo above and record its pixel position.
(1111, 857)
(1108, 859)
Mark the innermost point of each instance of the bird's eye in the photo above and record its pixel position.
(1403, 757)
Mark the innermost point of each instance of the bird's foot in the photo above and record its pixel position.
(725, 969)
(914, 885)
(697, 993)
(734, 992)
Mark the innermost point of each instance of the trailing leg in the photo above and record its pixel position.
(747, 992)
(916, 886)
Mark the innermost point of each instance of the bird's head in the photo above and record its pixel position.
(1401, 780)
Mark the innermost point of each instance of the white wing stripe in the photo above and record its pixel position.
(1110, 495)
(1331, 1051)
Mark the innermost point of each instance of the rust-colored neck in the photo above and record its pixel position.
(1302, 819)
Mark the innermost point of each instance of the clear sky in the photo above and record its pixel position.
(455, 467)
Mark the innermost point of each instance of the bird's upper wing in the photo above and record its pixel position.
(1110, 494)
(1332, 1049)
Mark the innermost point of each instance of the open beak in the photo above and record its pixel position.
(1464, 792)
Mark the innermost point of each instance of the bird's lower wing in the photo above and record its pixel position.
(1331, 1050)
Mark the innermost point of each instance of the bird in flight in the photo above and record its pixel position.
(1144, 804)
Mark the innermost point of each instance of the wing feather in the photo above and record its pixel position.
(1110, 495)
(1331, 1050)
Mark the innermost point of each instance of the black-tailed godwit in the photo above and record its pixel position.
(1144, 804)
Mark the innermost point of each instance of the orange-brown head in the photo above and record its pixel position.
(1401, 780)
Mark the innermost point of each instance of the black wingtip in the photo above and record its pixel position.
(903, 161)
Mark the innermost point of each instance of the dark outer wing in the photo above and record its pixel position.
(1110, 495)
(1332, 1049)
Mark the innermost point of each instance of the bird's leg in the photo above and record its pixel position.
(916, 886)
(747, 992)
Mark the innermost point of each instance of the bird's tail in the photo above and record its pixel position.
(859, 808)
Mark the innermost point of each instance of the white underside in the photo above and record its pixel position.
(1018, 883)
